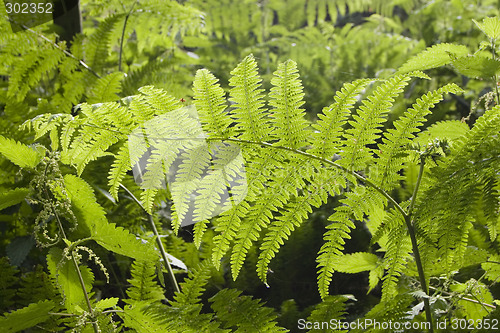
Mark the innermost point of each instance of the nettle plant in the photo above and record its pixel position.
(255, 173)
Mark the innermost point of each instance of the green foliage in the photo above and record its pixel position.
(27, 317)
(248, 165)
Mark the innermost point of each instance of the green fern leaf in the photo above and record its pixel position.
(286, 96)
(326, 138)
(332, 307)
(19, 154)
(97, 44)
(243, 312)
(142, 285)
(398, 252)
(433, 57)
(106, 89)
(27, 317)
(366, 124)
(119, 169)
(357, 203)
(210, 103)
(293, 177)
(323, 184)
(395, 144)
(251, 120)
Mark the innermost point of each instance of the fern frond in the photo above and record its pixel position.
(367, 122)
(325, 183)
(251, 120)
(332, 307)
(329, 127)
(398, 252)
(227, 227)
(106, 89)
(119, 169)
(210, 103)
(142, 284)
(243, 312)
(29, 71)
(358, 202)
(97, 45)
(286, 96)
(279, 191)
(194, 286)
(395, 143)
(434, 56)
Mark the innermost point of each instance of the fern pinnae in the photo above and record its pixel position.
(226, 227)
(326, 138)
(395, 143)
(119, 169)
(248, 101)
(356, 204)
(398, 252)
(367, 122)
(323, 184)
(210, 103)
(291, 129)
(294, 175)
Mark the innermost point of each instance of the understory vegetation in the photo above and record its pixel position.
(251, 166)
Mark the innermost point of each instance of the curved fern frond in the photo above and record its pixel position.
(280, 190)
(210, 103)
(106, 89)
(329, 127)
(367, 122)
(360, 201)
(143, 286)
(398, 252)
(251, 120)
(434, 56)
(324, 183)
(286, 96)
(395, 143)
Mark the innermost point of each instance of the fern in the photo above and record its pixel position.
(247, 96)
(326, 138)
(397, 141)
(142, 285)
(243, 313)
(435, 56)
(290, 127)
(365, 127)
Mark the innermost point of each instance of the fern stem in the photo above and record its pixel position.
(158, 241)
(321, 159)
(123, 36)
(416, 252)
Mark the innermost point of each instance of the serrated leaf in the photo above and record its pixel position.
(106, 303)
(433, 57)
(18, 153)
(67, 280)
(13, 197)
(490, 26)
(476, 66)
(26, 317)
(95, 224)
(356, 262)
